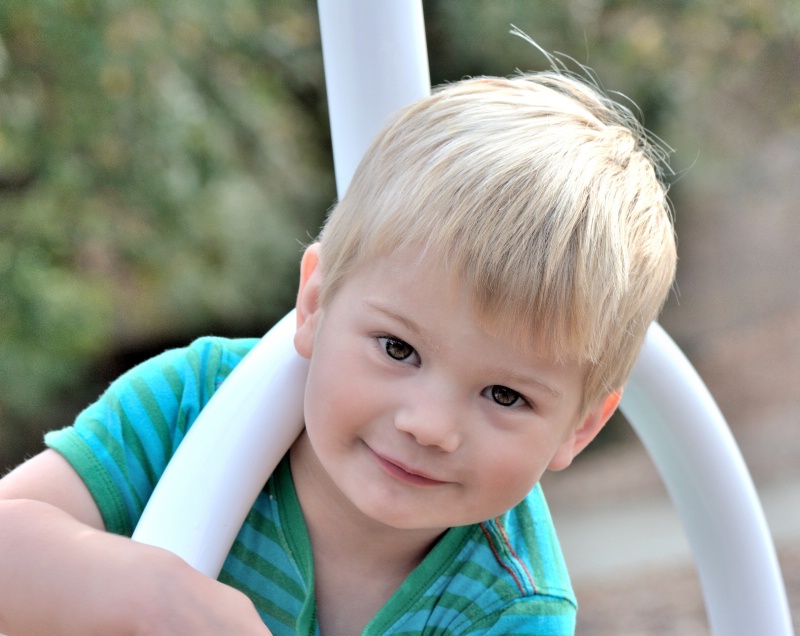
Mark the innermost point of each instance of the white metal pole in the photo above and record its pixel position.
(376, 61)
(693, 449)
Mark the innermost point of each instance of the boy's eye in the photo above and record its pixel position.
(504, 396)
(396, 348)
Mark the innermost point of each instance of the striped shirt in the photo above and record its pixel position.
(503, 576)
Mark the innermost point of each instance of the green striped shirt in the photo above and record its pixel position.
(503, 576)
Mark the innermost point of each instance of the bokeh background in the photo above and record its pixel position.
(162, 163)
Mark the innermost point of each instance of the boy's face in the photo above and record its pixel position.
(417, 416)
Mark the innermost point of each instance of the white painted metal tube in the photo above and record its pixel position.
(693, 449)
(224, 461)
(376, 61)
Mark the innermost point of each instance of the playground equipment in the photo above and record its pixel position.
(375, 62)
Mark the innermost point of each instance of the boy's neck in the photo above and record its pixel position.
(334, 522)
(358, 562)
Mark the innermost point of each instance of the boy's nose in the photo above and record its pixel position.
(432, 421)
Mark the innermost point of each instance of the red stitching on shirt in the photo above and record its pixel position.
(514, 554)
(506, 567)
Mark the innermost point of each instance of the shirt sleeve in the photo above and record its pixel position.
(538, 616)
(121, 444)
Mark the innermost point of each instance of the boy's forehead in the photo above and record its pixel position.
(417, 264)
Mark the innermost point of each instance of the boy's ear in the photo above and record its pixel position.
(588, 429)
(308, 301)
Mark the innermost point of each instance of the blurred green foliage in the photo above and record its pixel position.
(161, 162)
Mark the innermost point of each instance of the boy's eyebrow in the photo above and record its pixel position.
(418, 330)
(515, 378)
(508, 375)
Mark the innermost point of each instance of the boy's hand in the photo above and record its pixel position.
(63, 574)
(174, 600)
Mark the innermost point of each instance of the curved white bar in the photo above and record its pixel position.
(236, 442)
(376, 61)
(692, 447)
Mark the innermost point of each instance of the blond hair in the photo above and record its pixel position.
(542, 195)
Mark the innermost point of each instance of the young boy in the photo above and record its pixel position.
(471, 312)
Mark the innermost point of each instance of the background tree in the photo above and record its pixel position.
(159, 164)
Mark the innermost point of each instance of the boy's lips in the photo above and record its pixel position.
(406, 473)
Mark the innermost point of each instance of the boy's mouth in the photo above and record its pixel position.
(405, 473)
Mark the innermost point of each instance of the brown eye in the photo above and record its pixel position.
(504, 396)
(397, 349)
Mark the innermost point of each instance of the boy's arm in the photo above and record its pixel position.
(49, 478)
(63, 574)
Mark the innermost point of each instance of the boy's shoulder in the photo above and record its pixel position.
(192, 373)
(121, 443)
(521, 550)
(207, 360)
(216, 350)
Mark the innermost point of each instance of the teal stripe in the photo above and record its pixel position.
(488, 579)
(262, 603)
(545, 558)
(265, 532)
(225, 369)
(117, 454)
(177, 385)
(265, 568)
(159, 423)
(175, 382)
(134, 444)
(105, 492)
(110, 444)
(467, 607)
(212, 375)
(533, 542)
(548, 617)
(263, 525)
